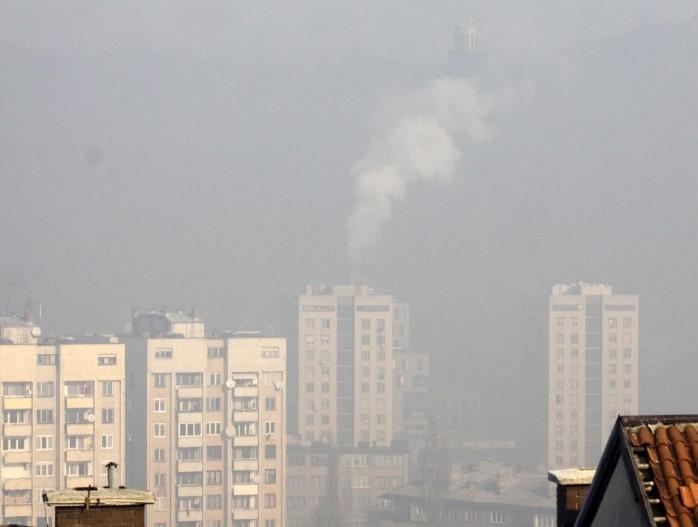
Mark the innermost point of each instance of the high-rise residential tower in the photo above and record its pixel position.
(206, 423)
(592, 369)
(341, 365)
(62, 417)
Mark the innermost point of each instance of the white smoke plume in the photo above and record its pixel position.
(420, 140)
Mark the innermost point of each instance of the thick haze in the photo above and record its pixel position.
(189, 155)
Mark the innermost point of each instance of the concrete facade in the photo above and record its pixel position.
(207, 422)
(593, 344)
(63, 420)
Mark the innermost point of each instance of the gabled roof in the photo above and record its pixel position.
(660, 454)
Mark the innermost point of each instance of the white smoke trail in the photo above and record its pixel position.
(419, 141)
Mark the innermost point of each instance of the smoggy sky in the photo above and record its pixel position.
(205, 155)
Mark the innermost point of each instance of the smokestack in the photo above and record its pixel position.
(112, 475)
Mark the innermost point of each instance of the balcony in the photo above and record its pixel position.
(79, 455)
(245, 440)
(189, 392)
(17, 403)
(190, 441)
(245, 489)
(19, 456)
(79, 429)
(17, 430)
(79, 481)
(244, 464)
(18, 484)
(79, 402)
(242, 416)
(190, 516)
(17, 511)
(245, 514)
(246, 391)
(189, 417)
(184, 491)
(190, 466)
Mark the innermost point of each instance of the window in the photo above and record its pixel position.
(77, 469)
(270, 475)
(215, 379)
(309, 387)
(214, 452)
(78, 389)
(214, 501)
(270, 452)
(366, 355)
(159, 429)
(216, 353)
(163, 353)
(160, 479)
(269, 428)
(325, 323)
(325, 387)
(270, 500)
(213, 428)
(44, 442)
(17, 443)
(107, 388)
(365, 340)
(44, 469)
(270, 404)
(627, 323)
(189, 454)
(559, 338)
(159, 455)
(192, 404)
(269, 523)
(213, 404)
(160, 380)
(160, 505)
(214, 477)
(244, 452)
(44, 417)
(106, 360)
(498, 517)
(612, 323)
(365, 387)
(189, 478)
(46, 359)
(45, 389)
(627, 353)
(366, 324)
(107, 415)
(159, 405)
(188, 379)
(309, 323)
(189, 429)
(107, 441)
(270, 352)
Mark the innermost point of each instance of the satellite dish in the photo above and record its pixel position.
(89, 417)
(279, 386)
(36, 331)
(230, 384)
(229, 431)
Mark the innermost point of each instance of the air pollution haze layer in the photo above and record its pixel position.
(155, 154)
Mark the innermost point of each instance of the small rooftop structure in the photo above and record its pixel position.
(572, 488)
(18, 330)
(109, 506)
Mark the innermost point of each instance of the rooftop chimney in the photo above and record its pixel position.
(112, 475)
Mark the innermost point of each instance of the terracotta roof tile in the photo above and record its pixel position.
(671, 453)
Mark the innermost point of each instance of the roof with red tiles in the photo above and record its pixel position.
(661, 455)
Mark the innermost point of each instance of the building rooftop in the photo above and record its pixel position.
(572, 476)
(98, 497)
(661, 455)
(491, 487)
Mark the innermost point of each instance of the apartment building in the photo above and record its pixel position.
(62, 418)
(593, 344)
(340, 485)
(206, 423)
(341, 365)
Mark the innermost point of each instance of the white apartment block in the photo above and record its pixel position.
(592, 369)
(206, 424)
